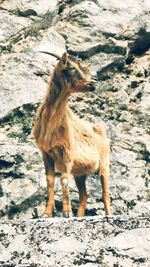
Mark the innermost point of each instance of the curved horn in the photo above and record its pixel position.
(51, 53)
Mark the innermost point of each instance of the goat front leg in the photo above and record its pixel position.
(67, 209)
(50, 178)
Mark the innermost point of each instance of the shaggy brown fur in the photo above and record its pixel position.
(69, 144)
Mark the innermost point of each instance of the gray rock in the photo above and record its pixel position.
(106, 72)
(135, 241)
(53, 42)
(22, 180)
(104, 34)
(37, 6)
(23, 86)
(144, 105)
(88, 36)
(86, 241)
(10, 25)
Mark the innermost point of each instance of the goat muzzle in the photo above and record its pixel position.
(91, 86)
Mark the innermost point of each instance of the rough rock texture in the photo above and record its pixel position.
(57, 242)
(114, 38)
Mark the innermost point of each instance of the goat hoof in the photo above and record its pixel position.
(67, 214)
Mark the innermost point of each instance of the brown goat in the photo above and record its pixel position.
(69, 144)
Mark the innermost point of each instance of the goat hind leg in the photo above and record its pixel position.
(104, 175)
(80, 182)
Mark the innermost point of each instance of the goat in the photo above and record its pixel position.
(69, 144)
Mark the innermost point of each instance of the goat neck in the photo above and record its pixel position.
(52, 110)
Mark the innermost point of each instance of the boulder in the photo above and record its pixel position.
(27, 8)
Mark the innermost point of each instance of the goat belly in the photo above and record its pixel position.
(80, 167)
(86, 160)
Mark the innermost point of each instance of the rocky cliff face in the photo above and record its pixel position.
(114, 37)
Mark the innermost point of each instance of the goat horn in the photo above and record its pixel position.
(51, 53)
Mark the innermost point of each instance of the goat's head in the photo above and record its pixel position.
(75, 74)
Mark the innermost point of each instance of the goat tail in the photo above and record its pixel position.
(100, 130)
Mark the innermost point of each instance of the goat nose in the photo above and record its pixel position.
(94, 78)
(91, 86)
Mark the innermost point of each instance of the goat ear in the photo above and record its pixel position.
(63, 60)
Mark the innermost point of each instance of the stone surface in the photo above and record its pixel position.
(114, 39)
(121, 99)
(10, 25)
(93, 241)
(39, 8)
(22, 86)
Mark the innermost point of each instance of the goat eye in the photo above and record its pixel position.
(67, 76)
(72, 69)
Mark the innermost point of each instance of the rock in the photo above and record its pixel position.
(93, 241)
(143, 206)
(36, 6)
(11, 25)
(87, 38)
(142, 44)
(23, 86)
(145, 100)
(20, 171)
(27, 12)
(106, 72)
(53, 42)
(108, 35)
(135, 241)
(113, 37)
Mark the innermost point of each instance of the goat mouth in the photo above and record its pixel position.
(91, 87)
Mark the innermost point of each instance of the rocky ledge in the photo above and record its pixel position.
(113, 38)
(90, 242)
